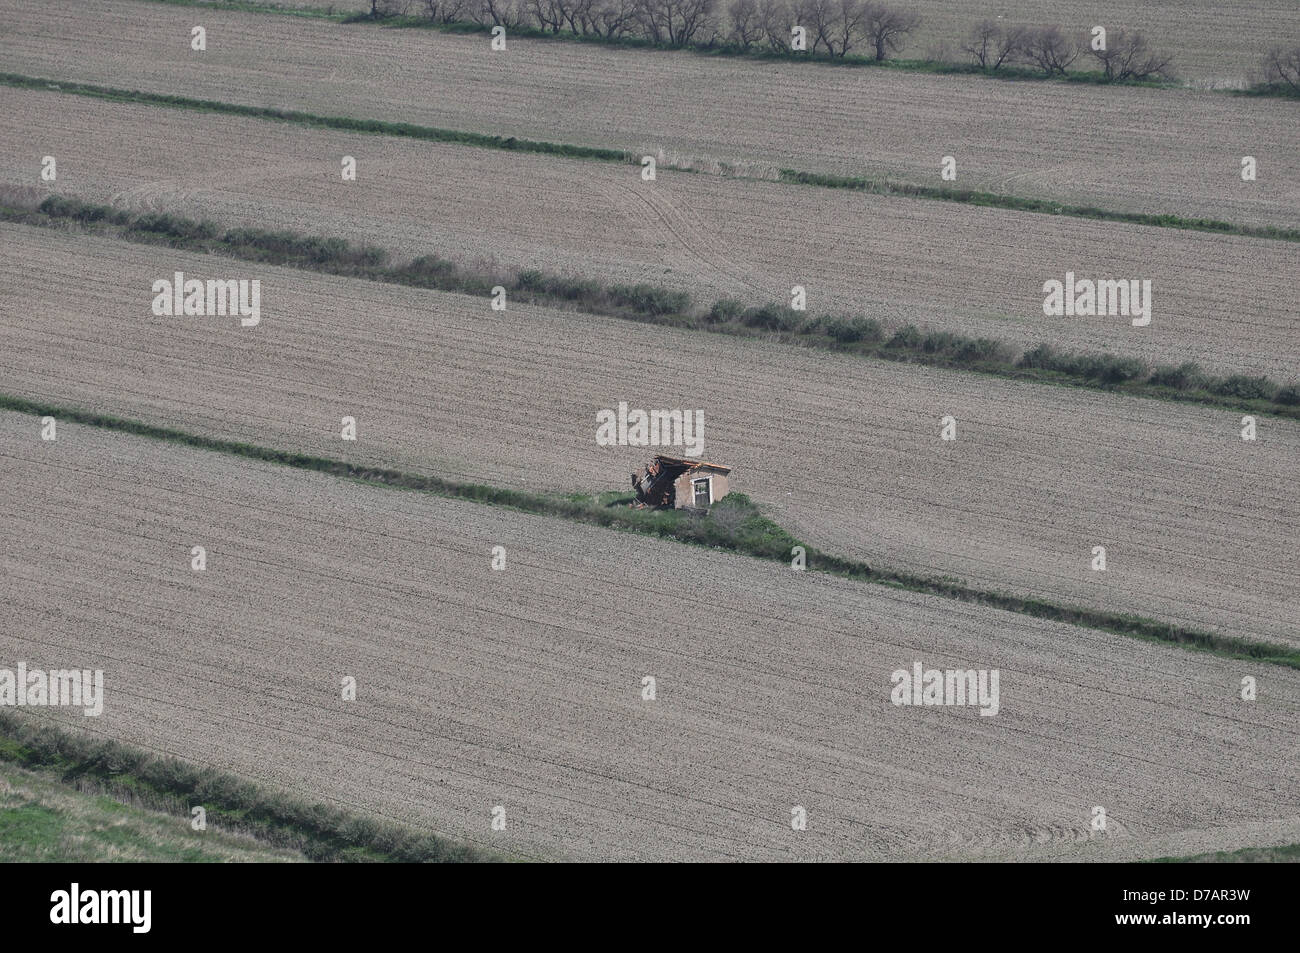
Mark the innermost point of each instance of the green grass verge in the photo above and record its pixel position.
(316, 831)
(733, 524)
(1287, 854)
(514, 144)
(863, 337)
(404, 130)
(44, 820)
(1041, 206)
(720, 49)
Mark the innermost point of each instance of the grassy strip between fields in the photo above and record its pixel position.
(863, 337)
(1042, 206)
(719, 48)
(317, 831)
(514, 144)
(44, 819)
(1286, 854)
(403, 130)
(733, 524)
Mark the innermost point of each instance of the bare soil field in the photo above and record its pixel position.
(1226, 303)
(1212, 43)
(1199, 525)
(522, 688)
(1149, 150)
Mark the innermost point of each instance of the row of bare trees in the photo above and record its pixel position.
(835, 27)
(992, 45)
(1127, 55)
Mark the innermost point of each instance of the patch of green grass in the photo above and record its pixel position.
(44, 820)
(733, 524)
(403, 130)
(856, 335)
(1041, 206)
(29, 830)
(170, 786)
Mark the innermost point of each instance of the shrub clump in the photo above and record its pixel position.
(1106, 368)
(650, 299)
(854, 330)
(57, 206)
(1245, 387)
(430, 271)
(175, 227)
(768, 318)
(558, 286)
(1288, 396)
(724, 311)
(282, 247)
(1186, 376)
(906, 338)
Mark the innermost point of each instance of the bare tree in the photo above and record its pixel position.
(614, 17)
(1128, 56)
(579, 14)
(940, 51)
(982, 42)
(506, 13)
(699, 20)
(608, 18)
(1282, 67)
(992, 45)
(656, 19)
(575, 16)
(1050, 50)
(887, 28)
(549, 14)
(677, 21)
(443, 11)
(775, 18)
(1010, 46)
(847, 24)
(746, 23)
(801, 14)
(819, 18)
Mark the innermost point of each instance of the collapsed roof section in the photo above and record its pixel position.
(658, 483)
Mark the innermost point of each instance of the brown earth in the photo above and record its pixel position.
(522, 688)
(1150, 150)
(1225, 303)
(1199, 525)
